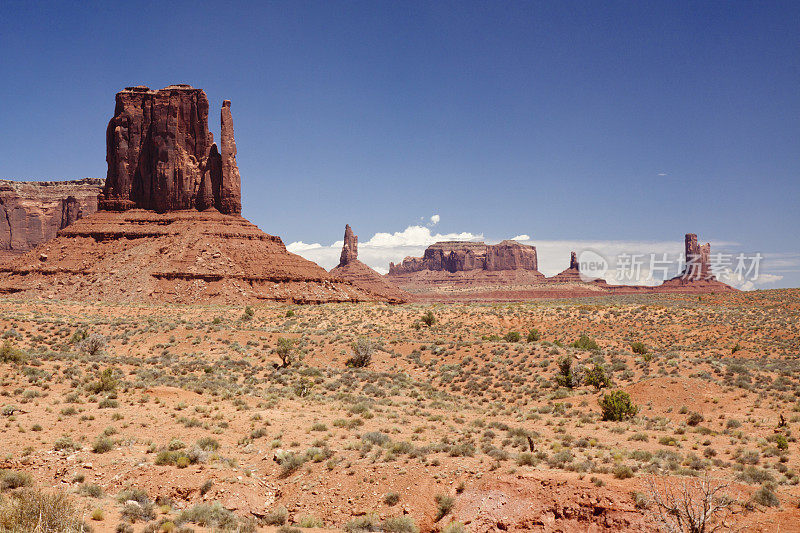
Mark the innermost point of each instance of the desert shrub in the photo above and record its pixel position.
(103, 445)
(12, 479)
(766, 496)
(91, 489)
(622, 472)
(428, 319)
(309, 521)
(617, 405)
(391, 498)
(362, 353)
(285, 351)
(512, 336)
(65, 444)
(205, 487)
(533, 335)
(597, 378)
(444, 504)
(375, 437)
(248, 313)
(363, 523)
(585, 343)
(208, 444)
(106, 383)
(289, 462)
(211, 515)
(694, 418)
(565, 376)
(276, 517)
(781, 442)
(399, 524)
(454, 527)
(639, 348)
(94, 344)
(527, 459)
(9, 354)
(29, 511)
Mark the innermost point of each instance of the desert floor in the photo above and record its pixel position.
(162, 418)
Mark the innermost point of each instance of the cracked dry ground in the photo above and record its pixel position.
(178, 418)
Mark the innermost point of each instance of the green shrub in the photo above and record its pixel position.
(106, 383)
(617, 405)
(597, 378)
(512, 336)
(533, 335)
(428, 319)
(9, 354)
(565, 376)
(285, 351)
(391, 498)
(639, 348)
(363, 523)
(585, 343)
(309, 521)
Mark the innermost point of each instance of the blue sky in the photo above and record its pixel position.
(563, 121)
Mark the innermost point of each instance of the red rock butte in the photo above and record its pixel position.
(362, 276)
(162, 157)
(168, 228)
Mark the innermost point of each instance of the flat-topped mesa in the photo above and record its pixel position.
(349, 248)
(162, 157)
(459, 256)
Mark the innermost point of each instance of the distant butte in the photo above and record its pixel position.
(362, 276)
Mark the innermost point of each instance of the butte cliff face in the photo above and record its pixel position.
(457, 256)
(362, 276)
(468, 270)
(161, 156)
(155, 236)
(32, 212)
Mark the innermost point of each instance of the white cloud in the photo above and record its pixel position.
(522, 237)
(300, 246)
(435, 219)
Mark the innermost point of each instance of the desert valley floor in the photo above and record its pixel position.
(178, 418)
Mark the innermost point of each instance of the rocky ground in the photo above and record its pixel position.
(153, 417)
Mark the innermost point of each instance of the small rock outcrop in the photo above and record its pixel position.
(458, 256)
(32, 212)
(162, 157)
(362, 276)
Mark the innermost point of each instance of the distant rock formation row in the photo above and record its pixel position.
(32, 212)
(162, 157)
(458, 256)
